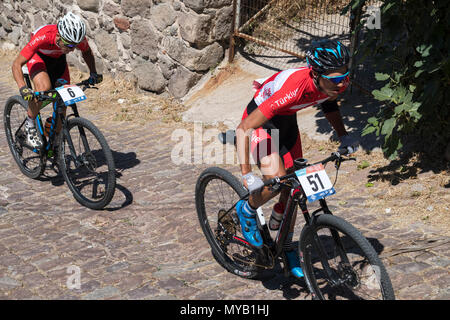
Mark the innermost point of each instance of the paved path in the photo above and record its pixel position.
(148, 244)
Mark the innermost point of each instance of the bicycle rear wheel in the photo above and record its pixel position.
(30, 162)
(339, 262)
(216, 194)
(87, 164)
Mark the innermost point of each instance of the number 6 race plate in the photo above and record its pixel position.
(71, 94)
(315, 182)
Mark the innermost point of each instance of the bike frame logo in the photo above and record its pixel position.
(373, 20)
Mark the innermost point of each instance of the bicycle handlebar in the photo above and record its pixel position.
(334, 156)
(49, 95)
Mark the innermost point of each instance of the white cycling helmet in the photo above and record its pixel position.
(71, 28)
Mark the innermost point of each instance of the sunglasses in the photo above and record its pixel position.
(336, 79)
(68, 44)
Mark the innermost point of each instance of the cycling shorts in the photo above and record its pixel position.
(279, 135)
(55, 67)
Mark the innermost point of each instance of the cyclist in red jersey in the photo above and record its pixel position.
(45, 56)
(273, 111)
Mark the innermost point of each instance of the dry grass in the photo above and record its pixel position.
(401, 199)
(125, 103)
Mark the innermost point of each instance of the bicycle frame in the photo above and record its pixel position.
(297, 199)
(58, 112)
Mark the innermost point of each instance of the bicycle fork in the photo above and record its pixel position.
(78, 162)
(334, 280)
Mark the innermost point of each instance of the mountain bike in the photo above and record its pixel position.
(337, 260)
(79, 150)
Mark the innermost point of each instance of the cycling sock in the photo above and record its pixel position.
(288, 243)
(248, 210)
(30, 122)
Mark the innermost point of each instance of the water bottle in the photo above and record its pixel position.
(276, 217)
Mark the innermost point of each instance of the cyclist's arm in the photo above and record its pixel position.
(254, 120)
(89, 59)
(17, 70)
(332, 114)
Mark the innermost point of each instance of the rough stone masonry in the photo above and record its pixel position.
(164, 45)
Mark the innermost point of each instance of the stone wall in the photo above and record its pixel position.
(165, 45)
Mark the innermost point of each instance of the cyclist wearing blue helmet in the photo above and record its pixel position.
(274, 106)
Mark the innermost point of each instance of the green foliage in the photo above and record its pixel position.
(411, 56)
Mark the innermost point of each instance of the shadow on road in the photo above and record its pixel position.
(122, 162)
(293, 288)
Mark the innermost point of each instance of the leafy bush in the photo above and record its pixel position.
(411, 56)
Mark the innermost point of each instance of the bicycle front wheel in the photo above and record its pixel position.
(29, 161)
(216, 193)
(87, 164)
(339, 262)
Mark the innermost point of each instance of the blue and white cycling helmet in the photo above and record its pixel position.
(327, 55)
(71, 28)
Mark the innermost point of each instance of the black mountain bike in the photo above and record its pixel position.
(79, 150)
(337, 260)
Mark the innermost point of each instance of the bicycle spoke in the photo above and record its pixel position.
(29, 161)
(341, 269)
(86, 163)
(219, 203)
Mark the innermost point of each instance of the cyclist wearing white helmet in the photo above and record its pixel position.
(45, 56)
(272, 111)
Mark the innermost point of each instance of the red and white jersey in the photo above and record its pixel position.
(43, 40)
(289, 91)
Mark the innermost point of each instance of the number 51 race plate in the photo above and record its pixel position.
(71, 94)
(315, 182)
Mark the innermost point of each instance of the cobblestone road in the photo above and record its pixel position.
(148, 243)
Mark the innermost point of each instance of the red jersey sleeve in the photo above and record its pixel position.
(35, 43)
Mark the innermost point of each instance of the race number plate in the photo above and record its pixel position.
(315, 182)
(71, 94)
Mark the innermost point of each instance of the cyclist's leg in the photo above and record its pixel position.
(269, 163)
(41, 81)
(39, 76)
(277, 165)
(266, 154)
(291, 255)
(294, 152)
(56, 68)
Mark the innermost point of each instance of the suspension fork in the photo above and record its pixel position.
(81, 130)
(317, 244)
(335, 234)
(69, 140)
